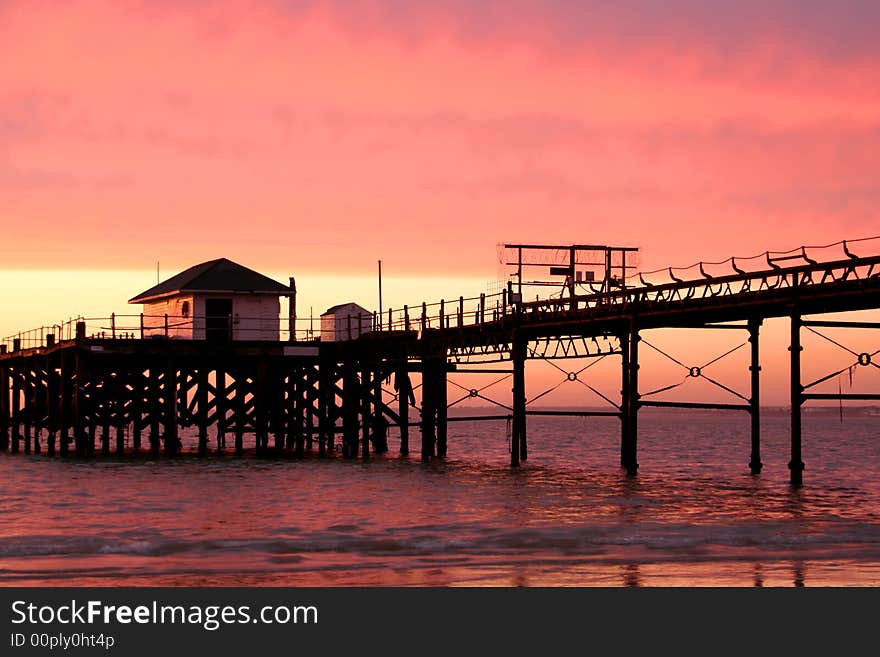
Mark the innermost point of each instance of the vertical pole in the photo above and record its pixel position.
(155, 410)
(429, 409)
(366, 415)
(310, 396)
(170, 410)
(202, 406)
(380, 299)
(52, 399)
(240, 383)
(441, 401)
(349, 408)
(518, 355)
(796, 464)
(403, 391)
(28, 408)
(15, 414)
(630, 439)
(755, 464)
(261, 403)
(120, 393)
(220, 402)
(276, 410)
(625, 394)
(325, 396)
(64, 394)
(78, 405)
(137, 398)
(301, 401)
(380, 425)
(106, 401)
(291, 310)
(4, 404)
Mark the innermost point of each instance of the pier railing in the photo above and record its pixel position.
(803, 267)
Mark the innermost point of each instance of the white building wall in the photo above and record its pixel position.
(178, 325)
(255, 317)
(346, 323)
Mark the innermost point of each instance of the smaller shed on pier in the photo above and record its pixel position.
(346, 321)
(214, 300)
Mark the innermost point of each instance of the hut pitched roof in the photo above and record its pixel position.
(221, 275)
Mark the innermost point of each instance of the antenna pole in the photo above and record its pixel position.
(380, 295)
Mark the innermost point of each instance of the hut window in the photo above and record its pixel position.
(184, 309)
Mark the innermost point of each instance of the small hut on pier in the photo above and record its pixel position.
(215, 300)
(346, 321)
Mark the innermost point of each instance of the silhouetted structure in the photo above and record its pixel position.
(291, 394)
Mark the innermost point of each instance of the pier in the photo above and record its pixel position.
(126, 384)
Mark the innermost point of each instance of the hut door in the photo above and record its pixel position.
(218, 319)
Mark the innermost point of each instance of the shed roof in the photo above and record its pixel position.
(334, 309)
(221, 275)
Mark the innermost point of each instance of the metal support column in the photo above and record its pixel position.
(755, 464)
(796, 464)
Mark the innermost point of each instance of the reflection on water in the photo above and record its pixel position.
(569, 516)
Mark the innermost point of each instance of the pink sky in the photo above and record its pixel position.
(315, 138)
(325, 137)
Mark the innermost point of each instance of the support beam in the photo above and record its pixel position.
(137, 400)
(15, 412)
(52, 404)
(240, 391)
(404, 391)
(755, 464)
(220, 403)
(64, 403)
(624, 395)
(4, 404)
(28, 408)
(429, 411)
(796, 464)
(202, 406)
(518, 434)
(366, 411)
(629, 448)
(155, 408)
(169, 411)
(350, 408)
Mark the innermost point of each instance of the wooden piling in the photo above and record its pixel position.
(220, 403)
(261, 406)
(404, 390)
(629, 450)
(104, 405)
(15, 413)
(169, 408)
(366, 413)
(202, 406)
(52, 404)
(755, 464)
(379, 423)
(796, 464)
(441, 401)
(28, 406)
(136, 377)
(4, 403)
(240, 392)
(154, 394)
(350, 407)
(429, 411)
(65, 393)
(518, 432)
